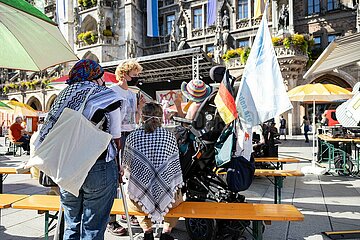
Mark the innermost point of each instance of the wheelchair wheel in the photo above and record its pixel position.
(349, 167)
(201, 229)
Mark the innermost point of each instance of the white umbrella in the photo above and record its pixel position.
(29, 39)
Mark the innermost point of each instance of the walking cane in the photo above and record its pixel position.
(123, 197)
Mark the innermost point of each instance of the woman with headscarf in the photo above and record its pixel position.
(151, 163)
(86, 216)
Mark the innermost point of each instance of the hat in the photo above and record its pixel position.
(195, 90)
(85, 70)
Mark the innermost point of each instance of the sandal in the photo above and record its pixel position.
(116, 229)
(133, 220)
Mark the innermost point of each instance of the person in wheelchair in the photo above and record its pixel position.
(196, 140)
(196, 91)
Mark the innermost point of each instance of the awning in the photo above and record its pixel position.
(108, 78)
(341, 52)
(168, 66)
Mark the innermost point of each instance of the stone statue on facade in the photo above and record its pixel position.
(182, 30)
(131, 48)
(226, 20)
(116, 26)
(101, 22)
(217, 54)
(283, 17)
(172, 40)
(225, 40)
(77, 20)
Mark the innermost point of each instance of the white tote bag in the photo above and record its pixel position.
(70, 149)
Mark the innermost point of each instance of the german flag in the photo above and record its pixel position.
(224, 100)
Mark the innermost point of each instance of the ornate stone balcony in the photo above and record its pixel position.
(281, 51)
(197, 32)
(242, 23)
(255, 22)
(210, 30)
(234, 63)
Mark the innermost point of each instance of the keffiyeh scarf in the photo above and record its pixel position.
(151, 162)
(101, 101)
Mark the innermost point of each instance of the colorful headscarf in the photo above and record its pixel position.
(85, 70)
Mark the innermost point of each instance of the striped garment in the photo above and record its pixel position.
(102, 101)
(151, 162)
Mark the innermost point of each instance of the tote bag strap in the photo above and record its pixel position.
(83, 106)
(85, 100)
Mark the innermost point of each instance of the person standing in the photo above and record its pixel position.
(306, 124)
(283, 127)
(126, 72)
(18, 133)
(152, 165)
(86, 216)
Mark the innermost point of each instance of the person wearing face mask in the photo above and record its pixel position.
(126, 73)
(152, 166)
(86, 216)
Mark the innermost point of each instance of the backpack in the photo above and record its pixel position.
(240, 171)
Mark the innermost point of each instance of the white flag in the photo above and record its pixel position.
(262, 93)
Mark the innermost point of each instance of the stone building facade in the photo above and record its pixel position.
(110, 30)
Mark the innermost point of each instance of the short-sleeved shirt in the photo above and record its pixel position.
(128, 112)
(282, 123)
(15, 131)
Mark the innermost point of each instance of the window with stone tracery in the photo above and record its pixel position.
(243, 9)
(197, 18)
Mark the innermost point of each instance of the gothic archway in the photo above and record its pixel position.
(332, 79)
(50, 102)
(89, 24)
(91, 56)
(35, 103)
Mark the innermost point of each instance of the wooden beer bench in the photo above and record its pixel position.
(279, 161)
(4, 171)
(279, 176)
(210, 210)
(7, 199)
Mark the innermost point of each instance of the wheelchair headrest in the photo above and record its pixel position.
(217, 73)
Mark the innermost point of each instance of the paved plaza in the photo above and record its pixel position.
(329, 203)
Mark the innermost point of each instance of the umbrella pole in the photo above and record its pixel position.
(313, 133)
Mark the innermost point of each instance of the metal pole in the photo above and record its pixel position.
(123, 197)
(313, 133)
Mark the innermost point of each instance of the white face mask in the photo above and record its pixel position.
(150, 117)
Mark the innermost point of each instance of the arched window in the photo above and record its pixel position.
(89, 24)
(35, 103)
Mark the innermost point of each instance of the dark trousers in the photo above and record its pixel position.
(306, 136)
(26, 142)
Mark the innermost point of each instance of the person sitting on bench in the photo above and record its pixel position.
(152, 165)
(18, 134)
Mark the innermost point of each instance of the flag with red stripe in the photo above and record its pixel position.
(224, 100)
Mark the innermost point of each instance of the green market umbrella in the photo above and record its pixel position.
(4, 106)
(29, 39)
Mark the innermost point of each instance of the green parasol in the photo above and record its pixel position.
(29, 39)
